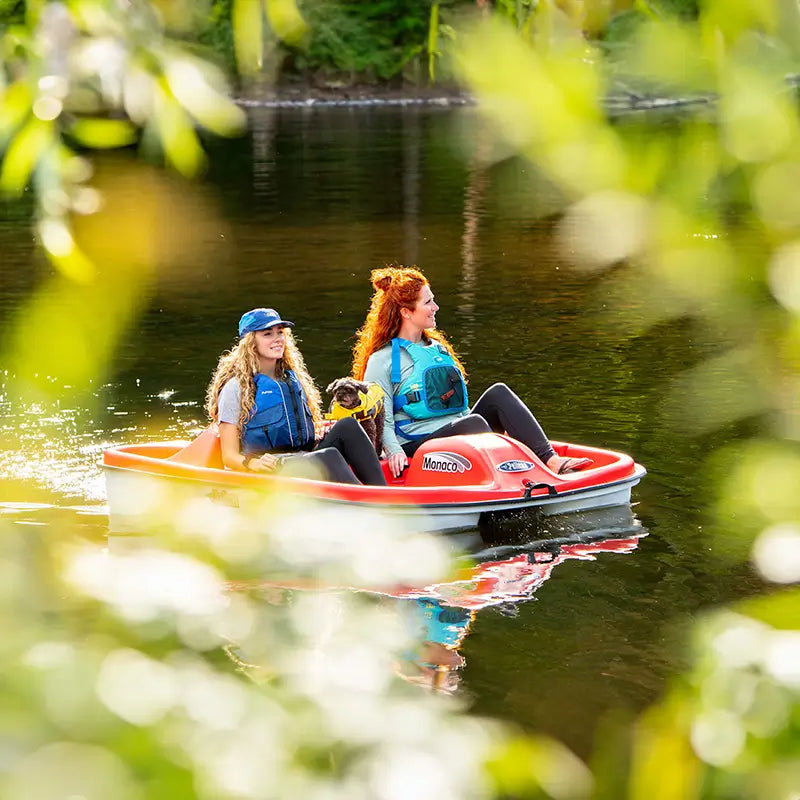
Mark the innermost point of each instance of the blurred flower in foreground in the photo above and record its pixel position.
(732, 723)
(308, 704)
(78, 770)
(776, 554)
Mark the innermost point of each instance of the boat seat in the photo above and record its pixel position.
(204, 451)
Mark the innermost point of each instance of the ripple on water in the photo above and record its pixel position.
(58, 449)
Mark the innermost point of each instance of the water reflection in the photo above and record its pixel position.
(441, 628)
(309, 203)
(50, 449)
(440, 616)
(411, 184)
(474, 192)
(504, 577)
(263, 134)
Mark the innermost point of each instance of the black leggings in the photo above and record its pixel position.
(500, 410)
(346, 443)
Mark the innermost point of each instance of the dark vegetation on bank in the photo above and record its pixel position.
(358, 47)
(393, 44)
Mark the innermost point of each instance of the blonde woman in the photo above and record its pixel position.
(269, 411)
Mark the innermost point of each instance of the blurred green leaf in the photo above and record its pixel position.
(22, 155)
(733, 19)
(758, 483)
(213, 110)
(758, 122)
(546, 102)
(100, 134)
(248, 35)
(182, 148)
(60, 245)
(32, 10)
(663, 765)
(286, 20)
(99, 311)
(779, 610)
(15, 106)
(522, 767)
(670, 54)
(79, 770)
(433, 36)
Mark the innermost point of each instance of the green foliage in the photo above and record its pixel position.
(354, 40)
(216, 32)
(518, 11)
(650, 197)
(372, 41)
(12, 12)
(142, 673)
(622, 28)
(116, 684)
(377, 41)
(687, 9)
(57, 96)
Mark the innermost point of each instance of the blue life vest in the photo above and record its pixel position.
(281, 420)
(435, 388)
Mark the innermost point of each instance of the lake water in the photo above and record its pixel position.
(294, 216)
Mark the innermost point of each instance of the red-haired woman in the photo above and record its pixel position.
(423, 379)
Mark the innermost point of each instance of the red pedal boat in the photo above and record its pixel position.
(448, 485)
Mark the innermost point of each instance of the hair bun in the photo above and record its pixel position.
(382, 278)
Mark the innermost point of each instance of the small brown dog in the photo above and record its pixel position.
(349, 394)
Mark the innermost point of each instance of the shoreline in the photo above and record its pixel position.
(618, 102)
(307, 96)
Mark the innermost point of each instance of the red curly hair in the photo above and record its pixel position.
(395, 288)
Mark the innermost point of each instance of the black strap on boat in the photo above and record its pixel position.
(530, 486)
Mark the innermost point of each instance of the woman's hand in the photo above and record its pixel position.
(264, 463)
(322, 428)
(397, 463)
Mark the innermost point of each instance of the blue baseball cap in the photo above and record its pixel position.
(260, 318)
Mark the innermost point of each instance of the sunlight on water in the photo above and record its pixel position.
(56, 447)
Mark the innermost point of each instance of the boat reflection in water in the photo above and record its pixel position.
(506, 574)
(439, 616)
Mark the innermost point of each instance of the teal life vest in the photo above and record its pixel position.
(435, 388)
(281, 420)
(447, 625)
(430, 620)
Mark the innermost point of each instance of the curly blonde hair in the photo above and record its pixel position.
(241, 362)
(395, 288)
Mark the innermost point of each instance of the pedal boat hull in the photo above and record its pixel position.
(449, 484)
